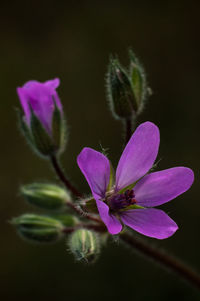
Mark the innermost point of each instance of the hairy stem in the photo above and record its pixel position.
(162, 258)
(63, 178)
(82, 213)
(69, 186)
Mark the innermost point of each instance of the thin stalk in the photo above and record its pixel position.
(162, 258)
(97, 228)
(129, 127)
(82, 213)
(69, 186)
(63, 178)
(128, 130)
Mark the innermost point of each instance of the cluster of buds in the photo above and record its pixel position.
(126, 88)
(43, 125)
(83, 243)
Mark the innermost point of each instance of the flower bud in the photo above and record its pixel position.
(138, 80)
(42, 123)
(38, 228)
(120, 92)
(46, 196)
(84, 244)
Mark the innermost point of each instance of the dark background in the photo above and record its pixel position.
(73, 41)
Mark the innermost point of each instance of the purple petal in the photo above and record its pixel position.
(24, 103)
(53, 83)
(96, 169)
(139, 155)
(160, 187)
(41, 97)
(150, 222)
(112, 223)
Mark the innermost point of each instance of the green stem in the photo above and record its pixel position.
(162, 258)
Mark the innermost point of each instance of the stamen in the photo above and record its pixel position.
(120, 201)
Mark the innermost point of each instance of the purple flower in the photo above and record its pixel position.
(41, 98)
(130, 200)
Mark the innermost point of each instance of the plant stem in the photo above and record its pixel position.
(97, 228)
(82, 213)
(128, 130)
(129, 126)
(63, 178)
(162, 258)
(66, 182)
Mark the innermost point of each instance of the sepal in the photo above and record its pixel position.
(138, 81)
(59, 130)
(42, 142)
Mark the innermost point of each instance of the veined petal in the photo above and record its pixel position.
(112, 223)
(160, 187)
(96, 169)
(138, 155)
(150, 222)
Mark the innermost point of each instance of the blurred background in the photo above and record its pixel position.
(72, 40)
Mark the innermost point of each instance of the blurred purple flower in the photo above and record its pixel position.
(41, 98)
(132, 205)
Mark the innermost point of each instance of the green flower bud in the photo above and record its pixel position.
(47, 196)
(84, 244)
(38, 228)
(120, 92)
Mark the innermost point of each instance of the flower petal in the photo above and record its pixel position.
(96, 169)
(53, 83)
(112, 223)
(150, 222)
(139, 155)
(24, 103)
(160, 187)
(41, 98)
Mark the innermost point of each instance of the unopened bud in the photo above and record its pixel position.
(120, 92)
(37, 228)
(47, 196)
(84, 244)
(43, 122)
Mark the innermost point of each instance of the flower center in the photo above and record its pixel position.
(120, 201)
